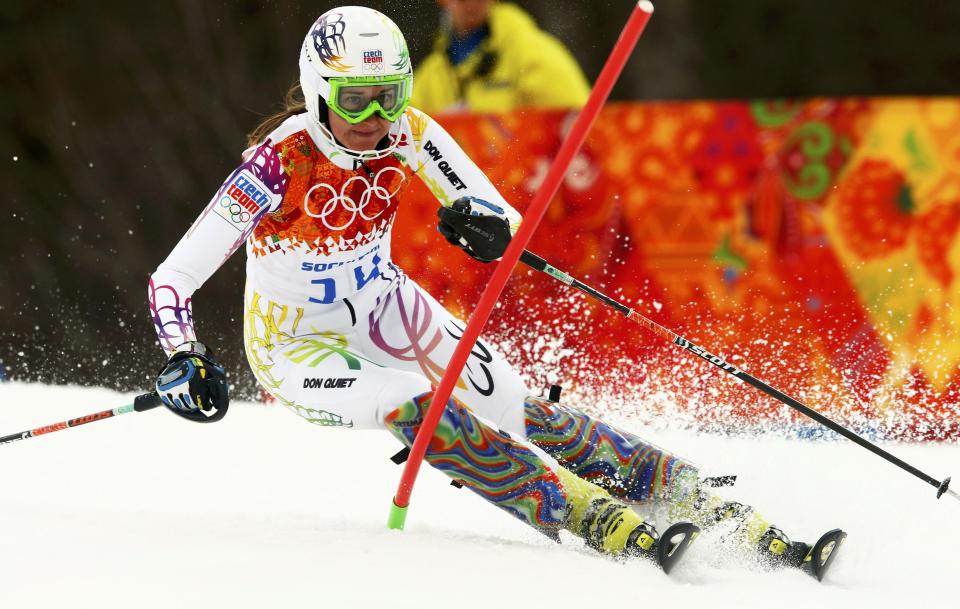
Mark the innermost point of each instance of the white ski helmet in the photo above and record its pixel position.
(355, 46)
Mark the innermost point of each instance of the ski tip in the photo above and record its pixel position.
(825, 551)
(674, 543)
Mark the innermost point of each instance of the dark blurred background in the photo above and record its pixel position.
(119, 119)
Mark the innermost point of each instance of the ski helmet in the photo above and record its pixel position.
(349, 48)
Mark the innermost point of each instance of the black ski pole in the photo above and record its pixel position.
(140, 403)
(537, 263)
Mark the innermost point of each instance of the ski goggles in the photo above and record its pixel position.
(355, 99)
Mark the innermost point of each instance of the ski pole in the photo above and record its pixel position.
(140, 404)
(537, 263)
(491, 293)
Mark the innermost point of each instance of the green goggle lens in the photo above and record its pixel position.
(357, 99)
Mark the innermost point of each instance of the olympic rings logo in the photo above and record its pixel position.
(342, 200)
(238, 215)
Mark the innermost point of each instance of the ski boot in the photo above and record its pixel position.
(776, 550)
(752, 532)
(613, 528)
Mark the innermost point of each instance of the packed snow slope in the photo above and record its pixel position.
(265, 510)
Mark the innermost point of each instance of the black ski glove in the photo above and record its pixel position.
(479, 228)
(193, 385)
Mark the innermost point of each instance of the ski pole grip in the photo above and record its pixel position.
(533, 261)
(146, 401)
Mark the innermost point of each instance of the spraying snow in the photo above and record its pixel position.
(262, 509)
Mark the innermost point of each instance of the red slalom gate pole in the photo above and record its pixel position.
(578, 133)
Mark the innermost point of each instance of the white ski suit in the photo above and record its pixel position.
(333, 329)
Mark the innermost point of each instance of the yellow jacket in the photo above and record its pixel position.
(525, 67)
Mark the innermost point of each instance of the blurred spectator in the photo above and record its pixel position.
(491, 57)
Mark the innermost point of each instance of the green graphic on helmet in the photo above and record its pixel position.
(403, 55)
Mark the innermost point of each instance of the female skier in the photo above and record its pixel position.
(341, 336)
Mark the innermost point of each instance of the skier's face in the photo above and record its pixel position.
(467, 15)
(362, 136)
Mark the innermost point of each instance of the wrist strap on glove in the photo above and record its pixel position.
(206, 383)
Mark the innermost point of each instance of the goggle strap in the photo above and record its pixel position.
(325, 88)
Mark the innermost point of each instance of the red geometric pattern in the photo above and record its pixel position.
(813, 243)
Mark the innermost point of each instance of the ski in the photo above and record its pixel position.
(819, 558)
(674, 543)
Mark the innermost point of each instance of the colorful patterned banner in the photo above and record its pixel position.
(811, 243)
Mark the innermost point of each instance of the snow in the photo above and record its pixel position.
(265, 510)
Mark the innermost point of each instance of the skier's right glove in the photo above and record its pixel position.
(193, 385)
(479, 228)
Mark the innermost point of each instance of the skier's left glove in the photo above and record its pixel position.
(193, 385)
(479, 228)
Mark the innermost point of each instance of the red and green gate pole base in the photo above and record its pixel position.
(598, 96)
(398, 516)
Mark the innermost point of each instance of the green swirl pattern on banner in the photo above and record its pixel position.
(772, 113)
(725, 256)
(816, 140)
(919, 159)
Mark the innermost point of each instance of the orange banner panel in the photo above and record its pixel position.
(812, 243)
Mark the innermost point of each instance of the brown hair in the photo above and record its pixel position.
(293, 104)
